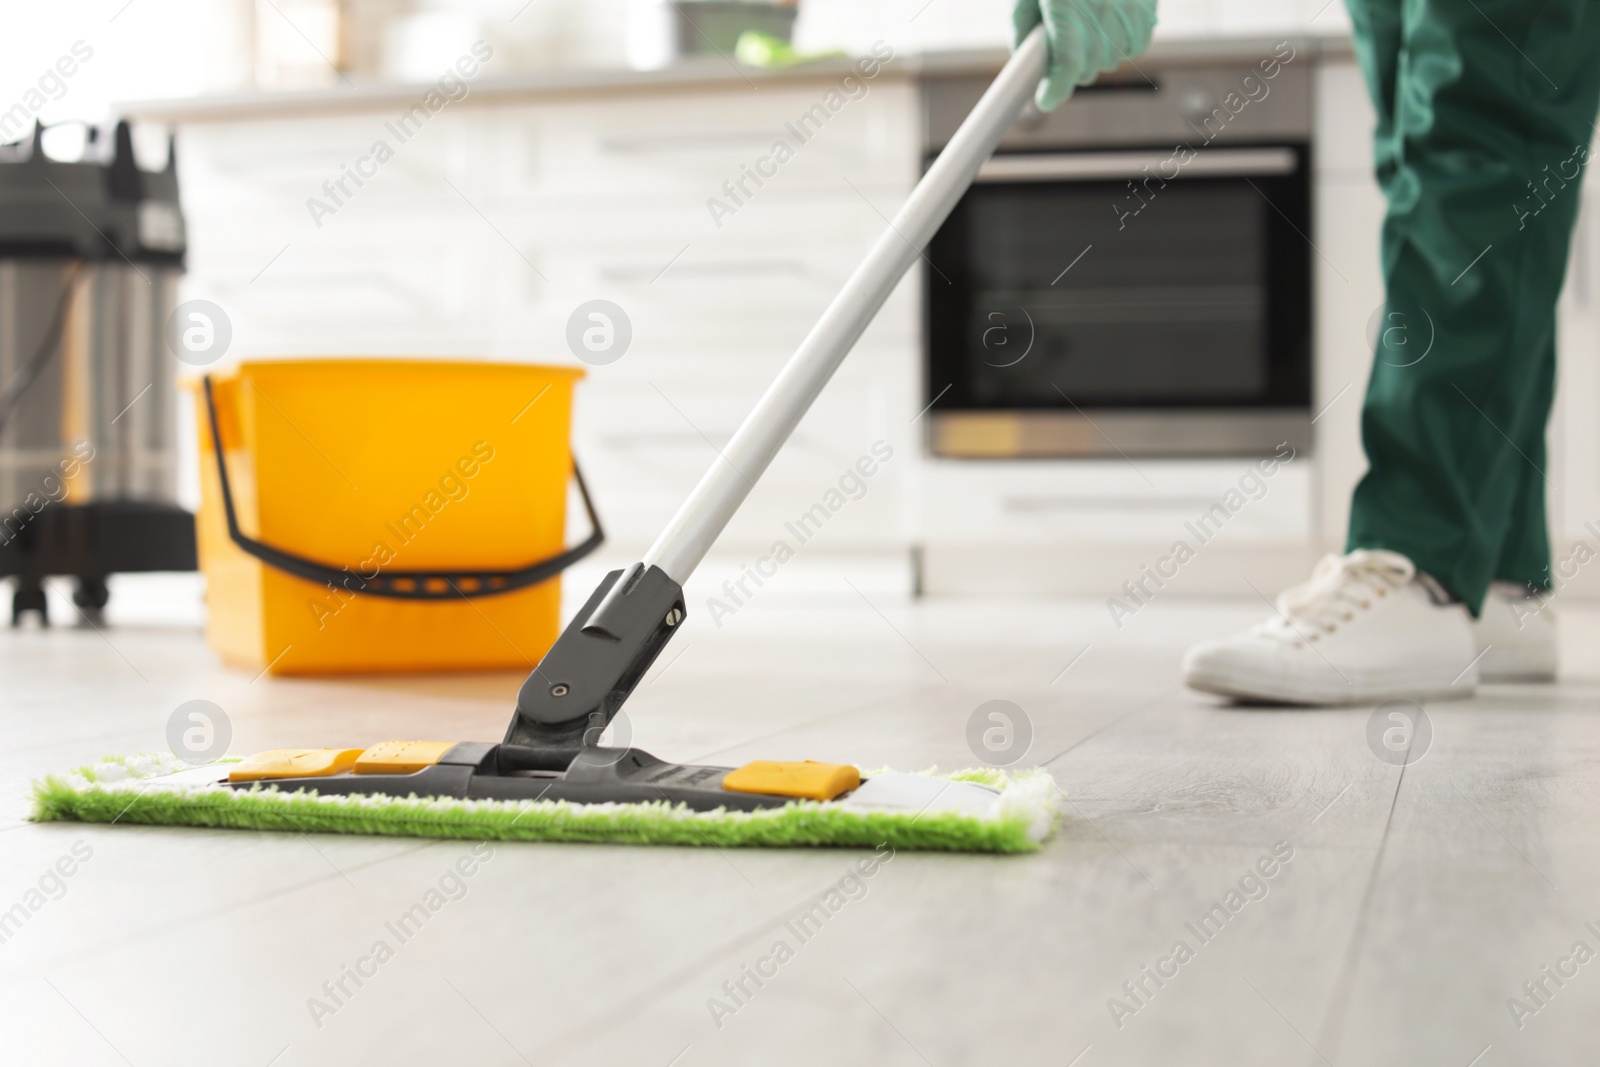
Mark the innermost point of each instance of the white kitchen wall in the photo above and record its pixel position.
(138, 50)
(146, 50)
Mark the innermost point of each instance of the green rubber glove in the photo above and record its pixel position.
(1086, 37)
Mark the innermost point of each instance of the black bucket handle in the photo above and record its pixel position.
(402, 585)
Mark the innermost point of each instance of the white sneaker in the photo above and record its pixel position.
(1364, 629)
(1516, 633)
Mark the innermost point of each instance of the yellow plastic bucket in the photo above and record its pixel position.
(385, 515)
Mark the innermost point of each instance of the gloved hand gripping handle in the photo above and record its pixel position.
(605, 650)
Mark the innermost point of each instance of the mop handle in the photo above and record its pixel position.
(687, 538)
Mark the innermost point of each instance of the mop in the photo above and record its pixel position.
(550, 779)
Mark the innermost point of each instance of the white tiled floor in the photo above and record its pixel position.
(1415, 903)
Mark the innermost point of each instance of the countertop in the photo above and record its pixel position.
(708, 74)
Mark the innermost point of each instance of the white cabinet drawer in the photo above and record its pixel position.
(739, 310)
(629, 234)
(695, 142)
(356, 288)
(484, 233)
(280, 164)
(648, 443)
(759, 288)
(1108, 501)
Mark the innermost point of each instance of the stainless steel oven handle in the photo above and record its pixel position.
(1100, 166)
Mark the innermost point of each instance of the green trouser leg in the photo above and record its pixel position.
(1485, 113)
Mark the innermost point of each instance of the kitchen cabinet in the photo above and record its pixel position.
(509, 209)
(488, 228)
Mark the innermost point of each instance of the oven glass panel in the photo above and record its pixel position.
(1052, 294)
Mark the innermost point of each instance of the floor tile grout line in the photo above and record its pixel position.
(1333, 1020)
(890, 1022)
(265, 713)
(866, 706)
(1287, 1021)
(629, 1008)
(1108, 840)
(1504, 838)
(1244, 844)
(1096, 733)
(161, 929)
(489, 1022)
(79, 1012)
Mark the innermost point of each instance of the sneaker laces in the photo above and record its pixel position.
(1340, 588)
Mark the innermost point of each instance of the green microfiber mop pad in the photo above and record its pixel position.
(117, 790)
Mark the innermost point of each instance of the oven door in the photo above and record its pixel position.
(1132, 302)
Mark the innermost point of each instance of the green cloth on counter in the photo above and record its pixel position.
(757, 49)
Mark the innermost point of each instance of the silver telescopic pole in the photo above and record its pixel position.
(689, 536)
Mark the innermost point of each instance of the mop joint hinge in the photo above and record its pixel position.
(581, 683)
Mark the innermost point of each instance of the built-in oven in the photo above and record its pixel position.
(1137, 282)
